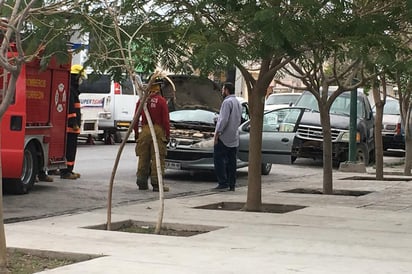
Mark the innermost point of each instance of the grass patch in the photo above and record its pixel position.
(26, 261)
(168, 229)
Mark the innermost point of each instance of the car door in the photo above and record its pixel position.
(278, 133)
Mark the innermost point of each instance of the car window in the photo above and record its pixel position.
(193, 115)
(281, 99)
(95, 84)
(281, 120)
(245, 112)
(100, 83)
(391, 107)
(127, 87)
(340, 106)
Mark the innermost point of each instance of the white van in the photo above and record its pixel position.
(107, 106)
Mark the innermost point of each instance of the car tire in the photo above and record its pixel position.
(266, 168)
(362, 154)
(117, 137)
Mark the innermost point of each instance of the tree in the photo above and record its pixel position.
(347, 45)
(218, 36)
(118, 36)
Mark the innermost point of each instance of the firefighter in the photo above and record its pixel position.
(77, 74)
(159, 113)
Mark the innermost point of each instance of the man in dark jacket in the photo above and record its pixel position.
(77, 74)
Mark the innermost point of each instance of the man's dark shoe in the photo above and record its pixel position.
(232, 188)
(220, 188)
(141, 185)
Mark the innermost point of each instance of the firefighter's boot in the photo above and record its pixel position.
(141, 182)
(69, 176)
(155, 185)
(43, 177)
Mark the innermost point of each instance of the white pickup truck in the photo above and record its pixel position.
(107, 107)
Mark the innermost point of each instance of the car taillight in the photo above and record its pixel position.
(398, 129)
(116, 88)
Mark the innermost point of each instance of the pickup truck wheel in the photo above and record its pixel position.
(266, 168)
(362, 154)
(28, 175)
(117, 137)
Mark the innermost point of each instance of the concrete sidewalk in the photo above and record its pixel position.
(332, 234)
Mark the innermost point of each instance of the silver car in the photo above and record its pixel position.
(193, 116)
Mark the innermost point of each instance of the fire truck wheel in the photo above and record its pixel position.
(28, 176)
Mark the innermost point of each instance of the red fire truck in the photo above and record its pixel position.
(33, 129)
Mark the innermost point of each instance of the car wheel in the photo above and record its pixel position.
(28, 175)
(362, 154)
(266, 168)
(118, 137)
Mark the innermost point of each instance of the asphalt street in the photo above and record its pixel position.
(95, 164)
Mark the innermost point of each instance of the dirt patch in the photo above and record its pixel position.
(28, 261)
(342, 192)
(386, 178)
(266, 208)
(168, 229)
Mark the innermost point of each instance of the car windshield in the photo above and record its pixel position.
(193, 116)
(340, 106)
(281, 99)
(391, 107)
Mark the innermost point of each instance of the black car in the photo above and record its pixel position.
(309, 138)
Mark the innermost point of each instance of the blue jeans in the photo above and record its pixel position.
(225, 164)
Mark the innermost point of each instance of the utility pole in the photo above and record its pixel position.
(352, 125)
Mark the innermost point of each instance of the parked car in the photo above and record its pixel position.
(393, 135)
(309, 138)
(194, 110)
(280, 100)
(278, 135)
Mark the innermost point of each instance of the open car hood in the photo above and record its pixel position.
(192, 92)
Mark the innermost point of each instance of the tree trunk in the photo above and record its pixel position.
(254, 191)
(408, 145)
(327, 150)
(378, 143)
(158, 171)
(116, 162)
(408, 155)
(379, 104)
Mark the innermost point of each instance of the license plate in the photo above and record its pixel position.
(172, 165)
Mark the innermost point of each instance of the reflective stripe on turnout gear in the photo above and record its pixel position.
(72, 130)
